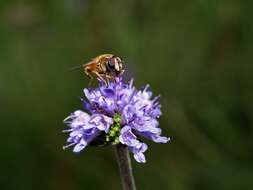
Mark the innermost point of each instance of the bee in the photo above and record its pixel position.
(104, 68)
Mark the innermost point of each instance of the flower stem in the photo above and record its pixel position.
(125, 167)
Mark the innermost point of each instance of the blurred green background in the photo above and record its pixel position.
(197, 54)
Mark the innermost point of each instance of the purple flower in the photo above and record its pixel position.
(118, 114)
(85, 128)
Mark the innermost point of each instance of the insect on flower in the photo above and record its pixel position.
(115, 114)
(104, 68)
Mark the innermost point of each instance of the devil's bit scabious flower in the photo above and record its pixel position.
(117, 113)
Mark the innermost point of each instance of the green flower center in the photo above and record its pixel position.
(114, 132)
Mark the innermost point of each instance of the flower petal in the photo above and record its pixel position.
(140, 157)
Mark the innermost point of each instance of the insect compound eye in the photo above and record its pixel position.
(119, 61)
(111, 64)
(120, 64)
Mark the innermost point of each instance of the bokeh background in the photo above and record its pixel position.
(197, 54)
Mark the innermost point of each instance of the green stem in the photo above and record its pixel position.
(125, 167)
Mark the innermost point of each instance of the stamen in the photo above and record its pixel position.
(156, 99)
(131, 83)
(67, 146)
(132, 95)
(146, 87)
(67, 130)
(143, 107)
(69, 117)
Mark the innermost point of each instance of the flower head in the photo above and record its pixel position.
(118, 113)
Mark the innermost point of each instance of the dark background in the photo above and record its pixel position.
(197, 54)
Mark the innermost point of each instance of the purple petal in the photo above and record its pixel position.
(128, 113)
(108, 92)
(86, 105)
(87, 93)
(80, 146)
(140, 157)
(138, 152)
(101, 122)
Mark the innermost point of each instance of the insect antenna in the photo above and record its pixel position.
(76, 67)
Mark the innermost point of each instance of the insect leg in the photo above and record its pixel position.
(87, 72)
(99, 77)
(107, 80)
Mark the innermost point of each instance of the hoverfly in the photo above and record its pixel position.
(104, 68)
